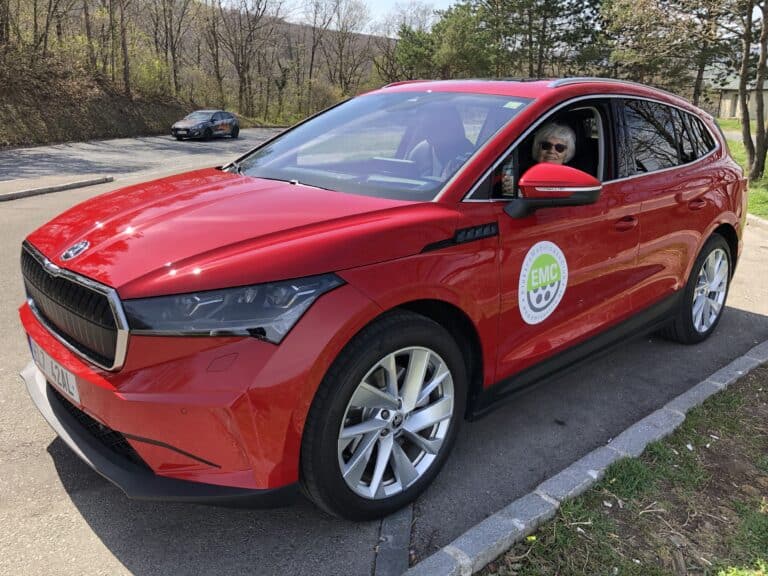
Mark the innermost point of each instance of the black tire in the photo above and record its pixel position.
(235, 132)
(321, 476)
(683, 329)
(208, 134)
(179, 137)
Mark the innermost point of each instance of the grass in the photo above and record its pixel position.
(693, 503)
(757, 203)
(733, 124)
(760, 569)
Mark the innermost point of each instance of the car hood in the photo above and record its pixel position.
(210, 229)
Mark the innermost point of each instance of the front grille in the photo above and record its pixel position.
(111, 439)
(80, 316)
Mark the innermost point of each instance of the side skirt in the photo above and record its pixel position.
(642, 323)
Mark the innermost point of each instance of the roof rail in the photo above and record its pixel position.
(580, 79)
(401, 82)
(500, 79)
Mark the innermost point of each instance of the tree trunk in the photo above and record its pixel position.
(529, 36)
(746, 46)
(89, 36)
(124, 46)
(5, 22)
(242, 80)
(540, 52)
(699, 82)
(757, 167)
(112, 50)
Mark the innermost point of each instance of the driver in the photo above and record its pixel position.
(553, 143)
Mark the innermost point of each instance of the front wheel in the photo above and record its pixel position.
(704, 295)
(235, 132)
(384, 418)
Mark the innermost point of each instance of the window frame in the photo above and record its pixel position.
(600, 103)
(618, 130)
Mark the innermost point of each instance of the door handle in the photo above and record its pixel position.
(697, 204)
(627, 223)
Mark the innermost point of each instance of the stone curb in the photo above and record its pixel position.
(394, 541)
(484, 542)
(48, 189)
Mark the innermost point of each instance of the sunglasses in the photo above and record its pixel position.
(549, 145)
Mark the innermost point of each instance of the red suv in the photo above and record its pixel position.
(326, 310)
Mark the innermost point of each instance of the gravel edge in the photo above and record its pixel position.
(484, 542)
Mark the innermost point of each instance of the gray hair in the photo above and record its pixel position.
(559, 131)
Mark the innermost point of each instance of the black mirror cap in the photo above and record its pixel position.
(523, 207)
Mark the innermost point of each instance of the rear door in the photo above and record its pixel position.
(672, 180)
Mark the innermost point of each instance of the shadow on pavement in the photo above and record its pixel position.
(543, 430)
(167, 538)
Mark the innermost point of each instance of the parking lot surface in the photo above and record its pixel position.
(60, 517)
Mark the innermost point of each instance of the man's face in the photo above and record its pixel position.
(552, 150)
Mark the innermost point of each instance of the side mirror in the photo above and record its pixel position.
(552, 185)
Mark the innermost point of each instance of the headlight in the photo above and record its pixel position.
(266, 311)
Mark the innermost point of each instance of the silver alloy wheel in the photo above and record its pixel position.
(711, 286)
(396, 422)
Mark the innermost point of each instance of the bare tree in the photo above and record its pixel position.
(175, 15)
(89, 35)
(212, 35)
(246, 28)
(318, 15)
(346, 50)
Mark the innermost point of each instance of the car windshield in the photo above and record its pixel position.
(403, 145)
(199, 116)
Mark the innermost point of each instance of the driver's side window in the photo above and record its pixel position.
(575, 137)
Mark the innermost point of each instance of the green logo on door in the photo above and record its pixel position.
(543, 279)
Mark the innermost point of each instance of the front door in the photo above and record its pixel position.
(565, 272)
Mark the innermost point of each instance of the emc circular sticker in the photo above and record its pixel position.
(543, 280)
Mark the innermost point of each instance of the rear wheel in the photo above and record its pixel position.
(235, 132)
(705, 294)
(384, 418)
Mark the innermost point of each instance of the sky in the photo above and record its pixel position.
(380, 8)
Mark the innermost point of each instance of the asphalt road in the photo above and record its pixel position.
(126, 155)
(58, 516)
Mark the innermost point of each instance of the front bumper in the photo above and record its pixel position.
(187, 132)
(133, 479)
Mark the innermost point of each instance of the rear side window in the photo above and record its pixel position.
(685, 142)
(702, 139)
(651, 135)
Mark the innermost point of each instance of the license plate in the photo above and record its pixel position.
(181, 131)
(54, 372)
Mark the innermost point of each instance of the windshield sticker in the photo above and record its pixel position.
(513, 104)
(543, 280)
